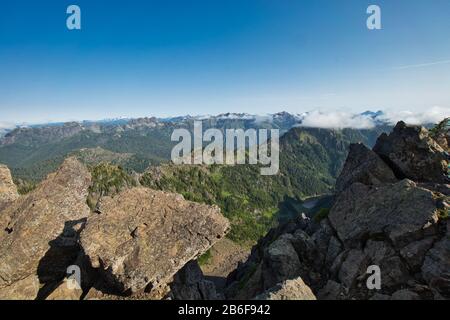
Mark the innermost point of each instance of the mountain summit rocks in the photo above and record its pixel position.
(413, 154)
(143, 237)
(391, 211)
(138, 240)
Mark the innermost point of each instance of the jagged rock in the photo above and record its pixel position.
(354, 265)
(8, 190)
(304, 245)
(364, 166)
(143, 237)
(376, 220)
(248, 286)
(39, 231)
(190, 284)
(280, 262)
(378, 251)
(331, 291)
(436, 267)
(414, 253)
(413, 154)
(294, 289)
(333, 251)
(401, 212)
(394, 273)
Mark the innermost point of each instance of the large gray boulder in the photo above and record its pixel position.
(436, 267)
(190, 284)
(413, 154)
(400, 212)
(143, 237)
(280, 262)
(364, 166)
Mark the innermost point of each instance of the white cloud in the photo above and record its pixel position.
(432, 115)
(5, 126)
(339, 119)
(336, 120)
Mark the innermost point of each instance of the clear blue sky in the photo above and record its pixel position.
(143, 58)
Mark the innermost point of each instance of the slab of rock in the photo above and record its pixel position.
(414, 253)
(413, 154)
(39, 231)
(143, 237)
(354, 265)
(25, 289)
(280, 262)
(331, 291)
(364, 166)
(436, 267)
(294, 289)
(8, 190)
(401, 212)
(190, 284)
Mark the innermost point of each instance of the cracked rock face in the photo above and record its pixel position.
(143, 237)
(400, 212)
(365, 166)
(8, 190)
(413, 154)
(38, 235)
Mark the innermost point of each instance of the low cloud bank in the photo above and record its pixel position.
(336, 119)
(432, 115)
(368, 120)
(5, 127)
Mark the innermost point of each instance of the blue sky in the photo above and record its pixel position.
(143, 58)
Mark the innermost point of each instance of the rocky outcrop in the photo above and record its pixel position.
(381, 225)
(436, 267)
(400, 212)
(364, 166)
(413, 154)
(190, 284)
(143, 237)
(294, 289)
(39, 231)
(139, 244)
(8, 190)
